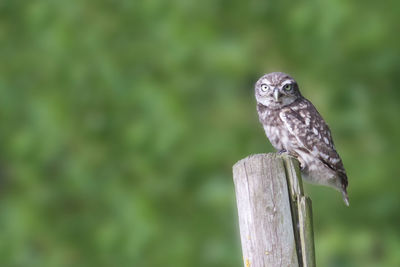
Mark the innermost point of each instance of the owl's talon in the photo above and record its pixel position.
(282, 151)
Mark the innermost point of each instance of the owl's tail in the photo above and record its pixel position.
(344, 183)
(345, 197)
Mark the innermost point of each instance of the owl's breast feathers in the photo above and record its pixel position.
(312, 134)
(272, 123)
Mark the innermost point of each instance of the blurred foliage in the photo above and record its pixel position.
(121, 120)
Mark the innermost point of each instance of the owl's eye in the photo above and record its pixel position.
(264, 87)
(287, 87)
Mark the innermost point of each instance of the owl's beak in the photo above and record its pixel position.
(276, 94)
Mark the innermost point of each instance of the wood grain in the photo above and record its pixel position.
(264, 209)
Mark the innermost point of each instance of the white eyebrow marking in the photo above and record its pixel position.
(287, 82)
(265, 81)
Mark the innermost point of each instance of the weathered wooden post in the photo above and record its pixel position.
(275, 217)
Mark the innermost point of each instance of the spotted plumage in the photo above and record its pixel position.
(294, 126)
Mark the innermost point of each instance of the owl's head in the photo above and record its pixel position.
(276, 90)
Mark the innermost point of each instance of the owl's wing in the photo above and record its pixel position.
(312, 133)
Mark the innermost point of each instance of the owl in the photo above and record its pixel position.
(294, 126)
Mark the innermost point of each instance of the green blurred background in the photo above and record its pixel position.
(121, 120)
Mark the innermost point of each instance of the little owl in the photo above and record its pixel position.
(294, 126)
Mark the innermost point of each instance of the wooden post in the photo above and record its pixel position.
(275, 217)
